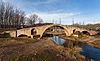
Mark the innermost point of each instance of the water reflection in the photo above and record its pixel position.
(57, 40)
(91, 52)
(88, 51)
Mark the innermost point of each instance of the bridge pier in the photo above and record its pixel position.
(32, 36)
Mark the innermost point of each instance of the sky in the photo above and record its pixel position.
(66, 11)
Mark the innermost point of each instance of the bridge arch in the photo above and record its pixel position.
(33, 31)
(63, 27)
(86, 32)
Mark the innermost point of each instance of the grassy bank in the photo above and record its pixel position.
(16, 41)
(25, 49)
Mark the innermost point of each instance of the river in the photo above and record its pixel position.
(88, 51)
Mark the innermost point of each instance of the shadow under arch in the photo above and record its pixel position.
(33, 31)
(85, 32)
(62, 27)
(23, 35)
(74, 30)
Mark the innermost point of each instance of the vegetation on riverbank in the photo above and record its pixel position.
(43, 50)
(95, 44)
(16, 41)
(27, 49)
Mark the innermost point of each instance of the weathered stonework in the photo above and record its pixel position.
(41, 29)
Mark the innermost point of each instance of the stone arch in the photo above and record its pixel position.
(77, 33)
(74, 30)
(85, 32)
(65, 29)
(33, 31)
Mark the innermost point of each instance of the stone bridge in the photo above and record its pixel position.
(40, 30)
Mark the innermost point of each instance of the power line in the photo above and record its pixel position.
(59, 20)
(73, 21)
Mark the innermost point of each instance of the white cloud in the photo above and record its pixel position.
(87, 19)
(56, 16)
(45, 2)
(4, 0)
(7, 0)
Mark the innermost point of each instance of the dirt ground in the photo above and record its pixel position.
(43, 50)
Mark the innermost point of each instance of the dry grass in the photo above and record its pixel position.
(96, 43)
(15, 41)
(44, 50)
(6, 29)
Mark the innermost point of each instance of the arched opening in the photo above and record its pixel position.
(23, 35)
(74, 30)
(77, 33)
(54, 30)
(85, 32)
(33, 32)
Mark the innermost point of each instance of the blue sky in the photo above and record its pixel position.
(87, 11)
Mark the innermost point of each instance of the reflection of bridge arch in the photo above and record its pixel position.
(63, 27)
(22, 35)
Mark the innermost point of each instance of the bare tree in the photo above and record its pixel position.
(2, 8)
(32, 19)
(40, 20)
(10, 16)
(22, 18)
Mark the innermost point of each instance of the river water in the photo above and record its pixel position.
(88, 51)
(57, 40)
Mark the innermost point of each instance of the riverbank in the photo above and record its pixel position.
(95, 44)
(93, 41)
(85, 39)
(27, 49)
(42, 50)
(90, 46)
(16, 41)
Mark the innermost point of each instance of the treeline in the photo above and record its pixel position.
(11, 17)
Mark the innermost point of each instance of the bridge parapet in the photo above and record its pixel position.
(25, 31)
